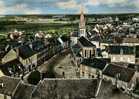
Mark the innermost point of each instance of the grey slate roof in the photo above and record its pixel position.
(25, 51)
(24, 91)
(95, 63)
(38, 45)
(66, 89)
(59, 89)
(9, 85)
(85, 42)
(126, 65)
(117, 49)
(107, 91)
(125, 74)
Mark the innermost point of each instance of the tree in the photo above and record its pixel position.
(34, 77)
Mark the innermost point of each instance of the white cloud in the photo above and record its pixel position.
(106, 2)
(17, 9)
(2, 8)
(92, 2)
(136, 3)
(24, 9)
(71, 4)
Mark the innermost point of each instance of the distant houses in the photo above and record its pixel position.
(23, 57)
(93, 64)
(107, 53)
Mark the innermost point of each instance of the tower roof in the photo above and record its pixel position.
(82, 19)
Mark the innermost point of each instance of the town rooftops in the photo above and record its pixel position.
(53, 41)
(84, 42)
(38, 45)
(65, 38)
(14, 66)
(66, 89)
(58, 89)
(8, 85)
(74, 34)
(76, 49)
(24, 91)
(117, 49)
(95, 63)
(25, 51)
(124, 74)
(107, 92)
(130, 40)
(126, 65)
(96, 38)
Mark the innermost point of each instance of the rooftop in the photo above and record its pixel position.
(10, 67)
(115, 49)
(108, 91)
(25, 51)
(124, 74)
(9, 85)
(24, 91)
(66, 88)
(85, 42)
(95, 63)
(38, 45)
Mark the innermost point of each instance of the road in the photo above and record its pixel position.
(55, 67)
(65, 68)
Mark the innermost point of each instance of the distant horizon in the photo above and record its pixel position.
(71, 14)
(44, 7)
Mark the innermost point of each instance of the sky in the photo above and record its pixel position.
(26, 7)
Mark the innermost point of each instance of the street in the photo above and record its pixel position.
(65, 68)
(59, 66)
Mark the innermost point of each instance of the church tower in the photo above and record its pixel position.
(82, 28)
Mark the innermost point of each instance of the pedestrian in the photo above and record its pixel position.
(63, 74)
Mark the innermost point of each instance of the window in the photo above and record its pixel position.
(90, 54)
(128, 59)
(83, 73)
(121, 58)
(113, 59)
(85, 53)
